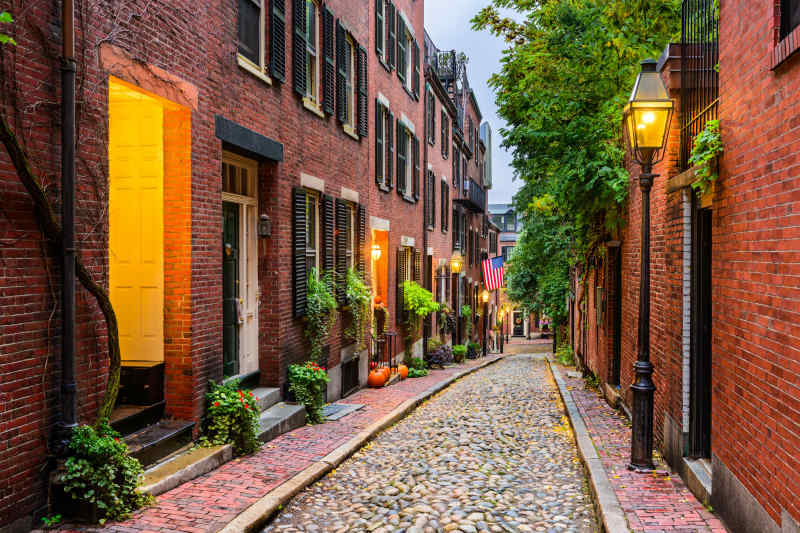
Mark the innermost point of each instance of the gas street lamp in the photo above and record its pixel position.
(646, 119)
(485, 300)
(456, 262)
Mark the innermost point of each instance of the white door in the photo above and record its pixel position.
(239, 186)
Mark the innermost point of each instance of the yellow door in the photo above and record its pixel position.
(136, 221)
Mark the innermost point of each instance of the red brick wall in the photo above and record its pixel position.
(756, 246)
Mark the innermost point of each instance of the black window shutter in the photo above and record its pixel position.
(426, 201)
(391, 12)
(445, 206)
(277, 39)
(341, 245)
(341, 73)
(363, 122)
(402, 275)
(379, 28)
(416, 167)
(299, 275)
(415, 83)
(327, 233)
(362, 241)
(379, 179)
(417, 265)
(329, 70)
(402, 52)
(462, 227)
(402, 147)
(299, 46)
(433, 200)
(456, 246)
(390, 150)
(432, 127)
(455, 168)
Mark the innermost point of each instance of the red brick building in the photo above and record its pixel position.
(248, 136)
(723, 266)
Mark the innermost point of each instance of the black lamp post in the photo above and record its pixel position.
(646, 120)
(485, 300)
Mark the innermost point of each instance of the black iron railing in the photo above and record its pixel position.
(699, 70)
(472, 196)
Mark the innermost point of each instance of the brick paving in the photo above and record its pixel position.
(653, 503)
(208, 503)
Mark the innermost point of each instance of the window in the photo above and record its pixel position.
(471, 133)
(431, 117)
(445, 205)
(430, 199)
(384, 151)
(507, 252)
(251, 31)
(312, 231)
(407, 163)
(445, 133)
(456, 169)
(312, 58)
(403, 63)
(350, 236)
(492, 243)
(350, 81)
(385, 32)
(790, 16)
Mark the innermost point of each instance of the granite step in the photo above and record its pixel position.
(279, 419)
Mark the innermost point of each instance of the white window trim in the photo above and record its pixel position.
(409, 26)
(405, 121)
(317, 227)
(314, 98)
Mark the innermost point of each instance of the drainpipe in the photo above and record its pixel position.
(68, 402)
(424, 215)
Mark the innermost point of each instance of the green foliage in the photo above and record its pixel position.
(565, 355)
(308, 383)
(231, 417)
(6, 18)
(473, 349)
(417, 373)
(358, 296)
(99, 472)
(417, 363)
(418, 303)
(51, 521)
(459, 353)
(434, 344)
(565, 76)
(707, 147)
(466, 312)
(320, 312)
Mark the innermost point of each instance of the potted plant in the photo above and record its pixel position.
(418, 303)
(459, 352)
(320, 312)
(231, 417)
(308, 383)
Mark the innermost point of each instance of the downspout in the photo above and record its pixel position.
(424, 204)
(68, 402)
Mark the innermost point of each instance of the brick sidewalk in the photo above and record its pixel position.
(652, 503)
(209, 502)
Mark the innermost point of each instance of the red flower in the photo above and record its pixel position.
(216, 404)
(246, 406)
(116, 439)
(241, 393)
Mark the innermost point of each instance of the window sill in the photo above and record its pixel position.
(253, 69)
(384, 64)
(409, 199)
(786, 48)
(348, 129)
(409, 92)
(384, 188)
(313, 106)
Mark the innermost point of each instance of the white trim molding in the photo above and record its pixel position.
(350, 195)
(405, 240)
(380, 224)
(382, 99)
(404, 120)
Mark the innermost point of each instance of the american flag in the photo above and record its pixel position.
(493, 273)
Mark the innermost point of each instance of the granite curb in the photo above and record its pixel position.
(606, 501)
(258, 514)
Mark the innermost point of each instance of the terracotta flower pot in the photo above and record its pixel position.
(403, 370)
(376, 379)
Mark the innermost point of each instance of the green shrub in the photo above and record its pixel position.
(466, 312)
(565, 355)
(320, 312)
(231, 417)
(459, 353)
(358, 296)
(417, 363)
(99, 472)
(418, 303)
(308, 382)
(473, 349)
(417, 373)
(434, 344)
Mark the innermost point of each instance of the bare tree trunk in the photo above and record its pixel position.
(45, 216)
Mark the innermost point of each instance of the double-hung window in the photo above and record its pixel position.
(445, 205)
(312, 232)
(312, 48)
(384, 145)
(431, 116)
(403, 156)
(445, 133)
(350, 81)
(251, 32)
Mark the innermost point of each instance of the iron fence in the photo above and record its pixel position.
(699, 70)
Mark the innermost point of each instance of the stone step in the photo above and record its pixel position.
(157, 441)
(266, 397)
(182, 467)
(279, 419)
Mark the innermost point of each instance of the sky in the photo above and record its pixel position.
(448, 24)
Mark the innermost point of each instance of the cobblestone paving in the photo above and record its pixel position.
(491, 453)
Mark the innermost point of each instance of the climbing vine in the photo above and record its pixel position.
(357, 295)
(707, 148)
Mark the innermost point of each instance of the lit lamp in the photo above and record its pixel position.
(456, 262)
(485, 300)
(646, 119)
(376, 252)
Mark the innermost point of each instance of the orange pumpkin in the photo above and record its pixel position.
(376, 379)
(387, 373)
(403, 370)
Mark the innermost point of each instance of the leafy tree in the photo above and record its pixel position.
(561, 88)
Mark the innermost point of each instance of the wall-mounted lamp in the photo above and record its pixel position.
(264, 226)
(485, 296)
(376, 252)
(456, 262)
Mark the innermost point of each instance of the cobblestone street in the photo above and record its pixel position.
(493, 452)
